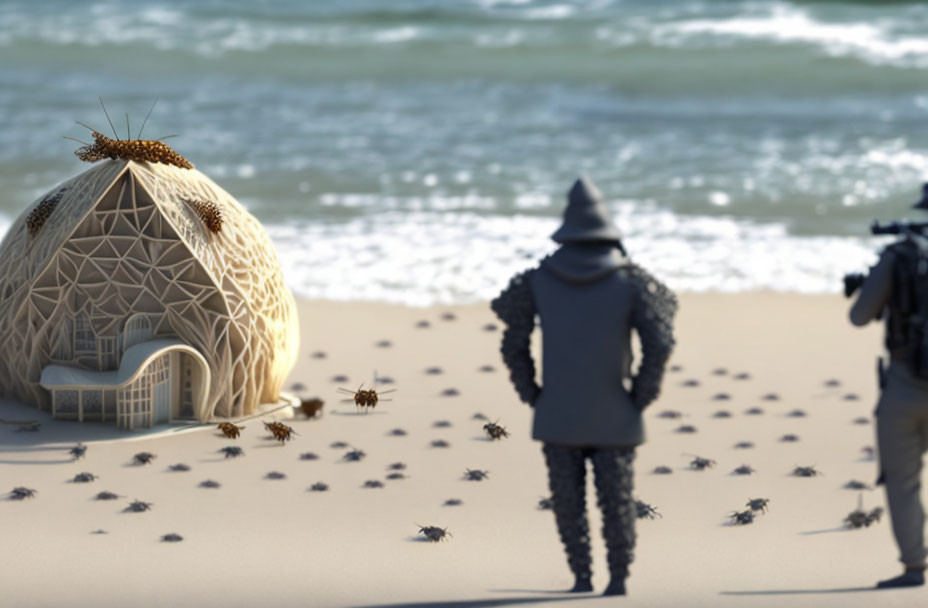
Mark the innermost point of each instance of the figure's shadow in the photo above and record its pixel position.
(492, 602)
(563, 593)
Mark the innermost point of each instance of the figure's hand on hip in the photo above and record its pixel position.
(535, 398)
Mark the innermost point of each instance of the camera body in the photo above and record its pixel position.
(853, 281)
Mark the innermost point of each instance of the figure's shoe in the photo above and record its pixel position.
(582, 584)
(912, 578)
(616, 587)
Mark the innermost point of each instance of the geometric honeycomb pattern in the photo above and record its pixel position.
(124, 239)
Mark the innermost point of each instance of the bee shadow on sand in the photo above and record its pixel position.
(358, 413)
(825, 531)
(418, 539)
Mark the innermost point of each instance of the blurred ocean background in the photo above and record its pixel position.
(419, 151)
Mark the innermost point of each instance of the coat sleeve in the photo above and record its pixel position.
(653, 311)
(874, 293)
(516, 308)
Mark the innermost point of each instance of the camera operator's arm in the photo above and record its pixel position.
(874, 293)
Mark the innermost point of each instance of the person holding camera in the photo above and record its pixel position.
(589, 297)
(898, 285)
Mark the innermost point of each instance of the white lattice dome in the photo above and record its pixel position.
(126, 241)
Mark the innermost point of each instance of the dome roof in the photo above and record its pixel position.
(125, 238)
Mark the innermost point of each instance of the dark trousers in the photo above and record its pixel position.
(902, 431)
(612, 469)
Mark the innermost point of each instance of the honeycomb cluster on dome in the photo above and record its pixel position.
(38, 216)
(209, 213)
(138, 150)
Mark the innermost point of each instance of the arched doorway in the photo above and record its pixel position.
(171, 386)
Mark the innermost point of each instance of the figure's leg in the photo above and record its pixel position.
(613, 470)
(567, 482)
(901, 435)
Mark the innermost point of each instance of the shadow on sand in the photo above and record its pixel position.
(800, 591)
(52, 432)
(825, 531)
(358, 413)
(491, 602)
(419, 539)
(55, 453)
(17, 462)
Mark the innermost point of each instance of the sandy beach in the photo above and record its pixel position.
(411, 157)
(257, 540)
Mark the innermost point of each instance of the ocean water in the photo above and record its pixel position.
(419, 151)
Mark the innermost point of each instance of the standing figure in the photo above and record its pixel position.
(588, 297)
(899, 285)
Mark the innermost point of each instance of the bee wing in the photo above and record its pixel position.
(345, 390)
(392, 390)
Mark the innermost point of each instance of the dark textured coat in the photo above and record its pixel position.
(588, 299)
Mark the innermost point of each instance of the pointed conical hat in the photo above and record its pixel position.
(586, 218)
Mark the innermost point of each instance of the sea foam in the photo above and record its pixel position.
(428, 258)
